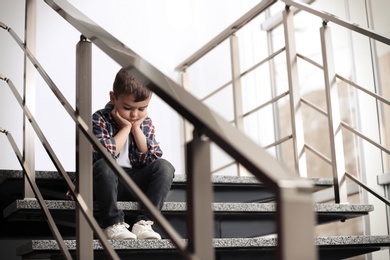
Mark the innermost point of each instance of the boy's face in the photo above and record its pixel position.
(127, 108)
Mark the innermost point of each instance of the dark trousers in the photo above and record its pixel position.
(154, 180)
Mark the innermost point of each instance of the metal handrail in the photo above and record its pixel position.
(362, 184)
(53, 227)
(327, 17)
(91, 137)
(356, 132)
(230, 30)
(349, 82)
(256, 160)
(85, 210)
(215, 127)
(270, 57)
(266, 168)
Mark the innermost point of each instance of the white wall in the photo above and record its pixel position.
(162, 32)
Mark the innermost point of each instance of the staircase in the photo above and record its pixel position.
(244, 214)
(244, 210)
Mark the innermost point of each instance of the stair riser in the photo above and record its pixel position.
(56, 190)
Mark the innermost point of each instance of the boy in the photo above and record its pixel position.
(125, 129)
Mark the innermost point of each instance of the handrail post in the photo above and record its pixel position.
(83, 147)
(295, 97)
(200, 219)
(29, 93)
(296, 221)
(334, 118)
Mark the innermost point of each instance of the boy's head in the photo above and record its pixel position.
(126, 84)
(129, 97)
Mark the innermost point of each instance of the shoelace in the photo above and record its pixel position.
(122, 224)
(146, 222)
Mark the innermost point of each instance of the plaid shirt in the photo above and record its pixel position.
(105, 128)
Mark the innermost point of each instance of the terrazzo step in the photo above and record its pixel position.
(329, 248)
(226, 188)
(231, 219)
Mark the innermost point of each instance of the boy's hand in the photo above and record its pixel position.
(120, 120)
(137, 123)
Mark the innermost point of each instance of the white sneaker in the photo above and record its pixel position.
(119, 231)
(143, 230)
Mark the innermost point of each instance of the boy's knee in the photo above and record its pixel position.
(166, 167)
(101, 167)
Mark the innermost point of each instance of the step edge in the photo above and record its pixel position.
(178, 179)
(269, 241)
(181, 206)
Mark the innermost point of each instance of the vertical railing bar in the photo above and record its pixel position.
(272, 69)
(187, 126)
(84, 232)
(237, 89)
(38, 195)
(29, 90)
(295, 98)
(334, 117)
(200, 218)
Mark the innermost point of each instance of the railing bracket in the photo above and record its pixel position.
(384, 179)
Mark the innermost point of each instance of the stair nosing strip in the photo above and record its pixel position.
(179, 178)
(181, 206)
(383, 240)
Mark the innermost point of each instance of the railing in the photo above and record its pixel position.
(332, 100)
(334, 121)
(289, 190)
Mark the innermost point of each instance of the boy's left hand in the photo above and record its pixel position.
(137, 123)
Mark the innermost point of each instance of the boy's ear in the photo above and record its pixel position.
(112, 98)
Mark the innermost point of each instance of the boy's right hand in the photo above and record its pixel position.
(120, 120)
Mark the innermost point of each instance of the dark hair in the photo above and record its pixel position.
(125, 83)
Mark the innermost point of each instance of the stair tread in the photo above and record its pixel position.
(179, 178)
(181, 206)
(218, 243)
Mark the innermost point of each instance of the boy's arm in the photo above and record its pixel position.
(139, 136)
(153, 148)
(103, 131)
(124, 131)
(120, 138)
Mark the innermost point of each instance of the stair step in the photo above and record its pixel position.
(226, 188)
(333, 247)
(231, 219)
